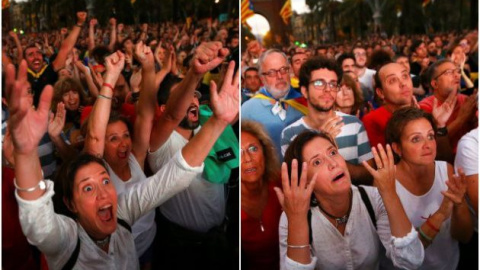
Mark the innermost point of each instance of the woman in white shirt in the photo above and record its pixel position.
(431, 195)
(343, 236)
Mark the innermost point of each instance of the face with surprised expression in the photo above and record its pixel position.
(95, 201)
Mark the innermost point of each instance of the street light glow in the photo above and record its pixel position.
(259, 25)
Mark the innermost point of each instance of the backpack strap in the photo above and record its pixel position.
(124, 224)
(309, 220)
(368, 204)
(73, 258)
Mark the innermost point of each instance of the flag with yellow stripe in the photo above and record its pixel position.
(286, 11)
(247, 10)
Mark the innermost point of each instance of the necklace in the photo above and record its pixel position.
(102, 243)
(339, 220)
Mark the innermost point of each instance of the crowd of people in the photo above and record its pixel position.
(379, 144)
(119, 146)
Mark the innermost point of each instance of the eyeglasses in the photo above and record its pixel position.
(360, 54)
(252, 150)
(322, 85)
(449, 72)
(463, 44)
(273, 72)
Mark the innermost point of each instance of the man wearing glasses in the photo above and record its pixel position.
(277, 104)
(319, 85)
(444, 77)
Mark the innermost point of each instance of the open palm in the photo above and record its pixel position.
(225, 104)
(26, 124)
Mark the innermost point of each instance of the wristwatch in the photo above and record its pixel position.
(443, 131)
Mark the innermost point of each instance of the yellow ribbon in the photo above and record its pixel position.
(300, 107)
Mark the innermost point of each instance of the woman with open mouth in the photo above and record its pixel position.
(97, 234)
(328, 223)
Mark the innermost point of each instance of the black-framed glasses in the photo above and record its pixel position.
(273, 72)
(449, 72)
(322, 85)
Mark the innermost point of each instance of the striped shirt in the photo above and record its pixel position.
(352, 141)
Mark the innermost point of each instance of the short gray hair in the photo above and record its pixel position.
(264, 55)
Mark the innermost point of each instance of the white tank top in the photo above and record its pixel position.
(443, 253)
(144, 229)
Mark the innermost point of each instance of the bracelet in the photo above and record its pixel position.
(41, 184)
(429, 239)
(108, 85)
(294, 246)
(79, 25)
(431, 226)
(105, 97)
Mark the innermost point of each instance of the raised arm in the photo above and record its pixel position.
(145, 108)
(69, 42)
(295, 202)
(225, 109)
(207, 57)
(55, 127)
(18, 45)
(27, 127)
(113, 34)
(98, 119)
(91, 35)
(92, 87)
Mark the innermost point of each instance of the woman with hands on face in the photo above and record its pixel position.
(432, 196)
(340, 233)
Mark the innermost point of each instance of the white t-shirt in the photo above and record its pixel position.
(467, 158)
(443, 253)
(366, 80)
(144, 229)
(202, 205)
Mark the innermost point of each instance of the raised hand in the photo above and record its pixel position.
(81, 17)
(26, 124)
(120, 27)
(170, 59)
(63, 31)
(208, 56)
(333, 126)
(295, 198)
(225, 104)
(112, 22)
(57, 121)
(442, 113)
(93, 22)
(384, 176)
(144, 55)
(457, 187)
(12, 34)
(114, 64)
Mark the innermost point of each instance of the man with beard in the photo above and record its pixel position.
(319, 85)
(277, 104)
(188, 222)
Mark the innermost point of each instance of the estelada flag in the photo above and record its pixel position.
(286, 11)
(247, 10)
(5, 4)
